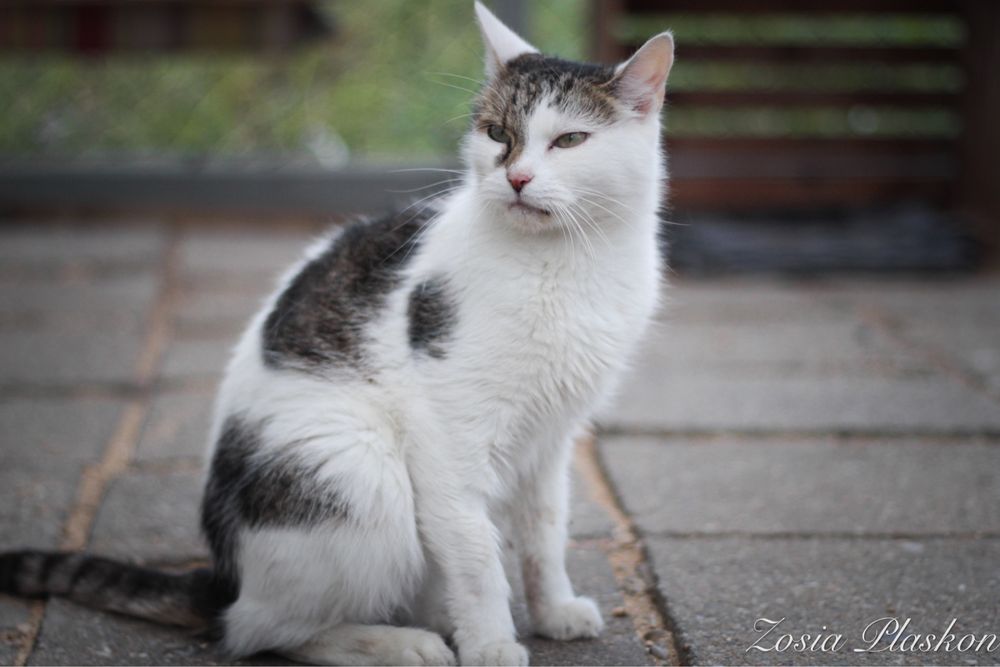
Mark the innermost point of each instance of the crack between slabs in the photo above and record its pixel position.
(629, 561)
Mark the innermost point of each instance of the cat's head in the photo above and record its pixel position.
(553, 140)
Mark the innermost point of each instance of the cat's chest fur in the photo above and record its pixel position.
(542, 330)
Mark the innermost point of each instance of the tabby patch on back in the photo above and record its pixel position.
(404, 405)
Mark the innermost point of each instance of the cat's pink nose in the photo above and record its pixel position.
(518, 180)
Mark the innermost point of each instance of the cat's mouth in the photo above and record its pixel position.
(524, 207)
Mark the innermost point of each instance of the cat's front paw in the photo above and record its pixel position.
(578, 618)
(497, 653)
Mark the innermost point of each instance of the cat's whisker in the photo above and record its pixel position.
(449, 85)
(592, 224)
(583, 235)
(605, 209)
(429, 185)
(441, 169)
(478, 82)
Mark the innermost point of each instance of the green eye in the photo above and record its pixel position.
(497, 133)
(570, 139)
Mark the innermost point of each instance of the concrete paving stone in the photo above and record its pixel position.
(177, 427)
(976, 345)
(138, 243)
(617, 645)
(151, 517)
(39, 434)
(970, 300)
(64, 357)
(745, 300)
(45, 445)
(204, 359)
(34, 505)
(840, 346)
(587, 518)
(716, 588)
(214, 314)
(72, 306)
(196, 359)
(794, 486)
(73, 635)
(732, 401)
(14, 618)
(240, 252)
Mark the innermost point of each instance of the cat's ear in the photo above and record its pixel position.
(641, 80)
(502, 43)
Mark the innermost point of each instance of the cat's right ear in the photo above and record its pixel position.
(502, 43)
(641, 80)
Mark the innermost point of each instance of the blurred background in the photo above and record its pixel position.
(818, 405)
(808, 135)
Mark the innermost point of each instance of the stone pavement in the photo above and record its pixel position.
(824, 452)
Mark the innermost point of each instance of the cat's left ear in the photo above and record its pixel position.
(641, 81)
(502, 43)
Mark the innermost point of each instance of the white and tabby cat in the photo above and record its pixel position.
(405, 404)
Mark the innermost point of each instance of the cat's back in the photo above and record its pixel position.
(321, 316)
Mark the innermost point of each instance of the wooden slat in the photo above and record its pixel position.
(770, 193)
(798, 6)
(771, 163)
(808, 98)
(853, 145)
(813, 54)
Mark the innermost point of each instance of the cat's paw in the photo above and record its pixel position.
(428, 649)
(497, 653)
(578, 618)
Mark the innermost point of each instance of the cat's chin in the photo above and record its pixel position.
(527, 218)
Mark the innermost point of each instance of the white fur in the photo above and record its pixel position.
(434, 456)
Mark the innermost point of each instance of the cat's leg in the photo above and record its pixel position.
(456, 529)
(351, 644)
(541, 515)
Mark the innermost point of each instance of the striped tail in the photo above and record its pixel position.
(189, 599)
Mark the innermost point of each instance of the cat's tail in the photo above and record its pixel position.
(191, 599)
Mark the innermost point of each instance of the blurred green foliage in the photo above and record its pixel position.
(396, 80)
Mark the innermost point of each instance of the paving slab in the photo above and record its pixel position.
(95, 306)
(759, 300)
(45, 445)
(214, 314)
(839, 347)
(975, 346)
(35, 506)
(55, 357)
(151, 516)
(39, 433)
(177, 427)
(240, 252)
(775, 401)
(946, 300)
(73, 635)
(14, 622)
(196, 359)
(716, 589)
(137, 243)
(587, 519)
(814, 487)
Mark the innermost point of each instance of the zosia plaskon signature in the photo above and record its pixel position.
(883, 635)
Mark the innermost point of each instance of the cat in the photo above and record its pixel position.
(402, 410)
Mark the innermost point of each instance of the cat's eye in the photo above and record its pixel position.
(570, 139)
(497, 133)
